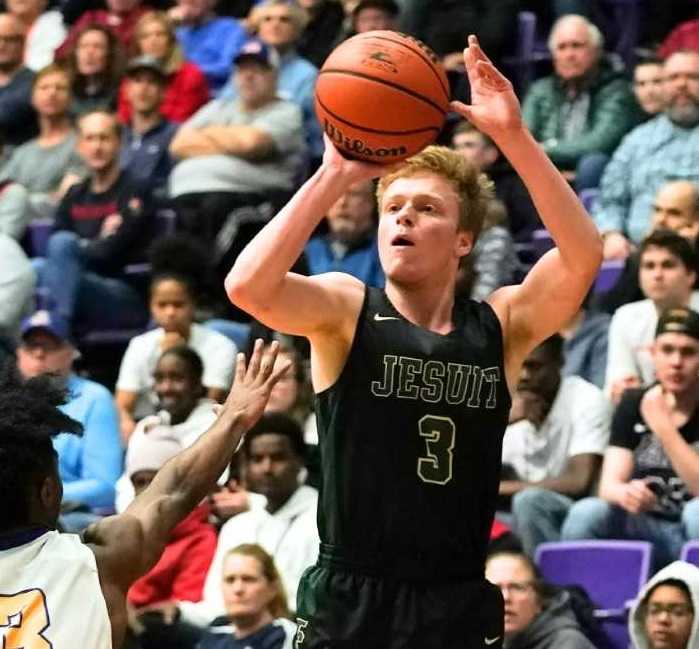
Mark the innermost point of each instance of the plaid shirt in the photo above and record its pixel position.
(649, 156)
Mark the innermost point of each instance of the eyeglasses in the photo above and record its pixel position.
(515, 587)
(674, 610)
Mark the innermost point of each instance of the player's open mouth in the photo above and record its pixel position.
(401, 241)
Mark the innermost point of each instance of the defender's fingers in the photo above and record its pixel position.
(268, 360)
(477, 50)
(255, 359)
(240, 367)
(491, 75)
(279, 372)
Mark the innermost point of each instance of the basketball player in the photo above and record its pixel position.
(57, 592)
(413, 388)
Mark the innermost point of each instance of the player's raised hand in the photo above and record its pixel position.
(254, 381)
(353, 171)
(494, 107)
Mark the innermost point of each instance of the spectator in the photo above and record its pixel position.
(17, 281)
(145, 141)
(181, 569)
(481, 151)
(183, 410)
(676, 208)
(581, 112)
(44, 31)
(279, 25)
(96, 66)
(349, 246)
(254, 600)
(186, 88)
(273, 459)
(17, 118)
(536, 616)
(48, 165)
(585, 340)
(323, 30)
(209, 41)
(89, 464)
(664, 613)
(650, 473)
(119, 17)
(667, 272)
(172, 302)
(369, 15)
(648, 87)
(664, 148)
(102, 224)
(559, 428)
(236, 153)
(682, 38)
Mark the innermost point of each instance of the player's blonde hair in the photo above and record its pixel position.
(474, 189)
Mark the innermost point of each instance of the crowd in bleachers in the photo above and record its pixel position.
(143, 145)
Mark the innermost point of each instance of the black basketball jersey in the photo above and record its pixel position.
(410, 439)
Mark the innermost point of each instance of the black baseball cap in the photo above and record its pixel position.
(680, 320)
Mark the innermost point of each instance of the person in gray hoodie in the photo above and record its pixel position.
(537, 616)
(664, 615)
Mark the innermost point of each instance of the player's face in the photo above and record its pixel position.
(674, 209)
(98, 142)
(272, 468)
(676, 360)
(419, 235)
(175, 387)
(664, 278)
(648, 87)
(171, 306)
(668, 618)
(141, 479)
(351, 216)
(247, 593)
(286, 390)
(51, 95)
(516, 582)
(40, 352)
(574, 55)
(145, 91)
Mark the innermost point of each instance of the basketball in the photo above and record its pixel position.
(382, 96)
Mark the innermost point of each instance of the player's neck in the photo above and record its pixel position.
(427, 306)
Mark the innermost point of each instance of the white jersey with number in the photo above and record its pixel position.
(50, 596)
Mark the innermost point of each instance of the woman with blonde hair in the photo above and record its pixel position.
(255, 603)
(186, 89)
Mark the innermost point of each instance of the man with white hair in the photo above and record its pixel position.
(581, 112)
(662, 149)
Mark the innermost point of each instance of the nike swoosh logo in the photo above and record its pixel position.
(381, 318)
(489, 641)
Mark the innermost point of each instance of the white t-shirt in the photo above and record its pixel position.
(579, 422)
(217, 353)
(50, 595)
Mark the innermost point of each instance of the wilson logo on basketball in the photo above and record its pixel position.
(357, 146)
(381, 61)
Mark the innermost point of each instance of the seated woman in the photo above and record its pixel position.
(95, 64)
(184, 412)
(172, 303)
(255, 603)
(187, 89)
(536, 616)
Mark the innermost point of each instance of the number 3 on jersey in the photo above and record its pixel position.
(23, 619)
(435, 466)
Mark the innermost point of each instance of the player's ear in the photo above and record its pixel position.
(464, 242)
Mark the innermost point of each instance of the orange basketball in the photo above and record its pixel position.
(382, 96)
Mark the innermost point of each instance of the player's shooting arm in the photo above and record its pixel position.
(260, 281)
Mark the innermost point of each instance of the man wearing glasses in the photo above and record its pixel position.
(663, 616)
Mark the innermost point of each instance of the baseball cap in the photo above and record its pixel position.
(256, 50)
(49, 321)
(145, 62)
(680, 321)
